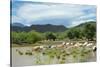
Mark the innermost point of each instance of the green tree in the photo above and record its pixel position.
(74, 34)
(70, 34)
(26, 37)
(50, 36)
(33, 37)
(90, 31)
(19, 37)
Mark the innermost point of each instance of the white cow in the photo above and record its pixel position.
(41, 47)
(35, 48)
(90, 44)
(64, 43)
(85, 44)
(53, 46)
(71, 43)
(67, 44)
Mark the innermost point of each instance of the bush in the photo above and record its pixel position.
(50, 36)
(74, 34)
(90, 31)
(33, 37)
(26, 37)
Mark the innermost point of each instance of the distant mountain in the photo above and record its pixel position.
(54, 21)
(17, 24)
(47, 27)
(83, 24)
(39, 28)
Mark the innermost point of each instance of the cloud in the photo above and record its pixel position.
(16, 19)
(75, 23)
(31, 12)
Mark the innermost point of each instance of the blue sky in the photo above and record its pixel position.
(27, 12)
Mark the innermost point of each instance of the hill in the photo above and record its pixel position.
(82, 25)
(18, 24)
(47, 27)
(40, 28)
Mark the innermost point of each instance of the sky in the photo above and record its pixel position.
(69, 15)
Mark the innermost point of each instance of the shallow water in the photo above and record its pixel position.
(37, 58)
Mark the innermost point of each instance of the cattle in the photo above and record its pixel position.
(85, 44)
(94, 48)
(71, 43)
(60, 46)
(41, 47)
(36, 48)
(67, 44)
(76, 45)
(64, 43)
(89, 45)
(53, 46)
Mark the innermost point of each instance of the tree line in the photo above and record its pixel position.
(88, 32)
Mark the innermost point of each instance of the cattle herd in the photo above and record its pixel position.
(67, 45)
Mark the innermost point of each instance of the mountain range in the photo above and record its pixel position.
(18, 27)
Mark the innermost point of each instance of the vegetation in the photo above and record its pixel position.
(47, 48)
(50, 36)
(90, 31)
(74, 34)
(26, 37)
(77, 54)
(85, 31)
